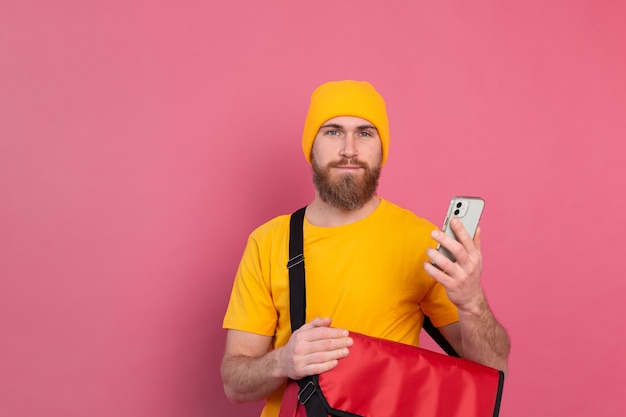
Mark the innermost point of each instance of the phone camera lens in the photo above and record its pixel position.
(456, 212)
(459, 204)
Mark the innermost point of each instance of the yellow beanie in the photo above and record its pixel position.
(345, 98)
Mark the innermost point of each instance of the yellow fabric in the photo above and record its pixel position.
(368, 276)
(345, 98)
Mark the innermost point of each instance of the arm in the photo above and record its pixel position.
(477, 335)
(251, 371)
(248, 367)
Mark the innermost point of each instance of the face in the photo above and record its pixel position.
(346, 159)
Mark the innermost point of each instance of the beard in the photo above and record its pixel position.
(348, 191)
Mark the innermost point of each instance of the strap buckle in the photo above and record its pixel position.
(298, 259)
(306, 392)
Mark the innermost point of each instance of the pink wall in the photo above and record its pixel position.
(141, 141)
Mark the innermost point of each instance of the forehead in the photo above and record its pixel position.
(349, 122)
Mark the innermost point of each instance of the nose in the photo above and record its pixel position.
(348, 150)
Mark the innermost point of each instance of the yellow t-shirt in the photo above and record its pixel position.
(368, 276)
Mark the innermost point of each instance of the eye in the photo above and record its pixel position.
(365, 134)
(332, 132)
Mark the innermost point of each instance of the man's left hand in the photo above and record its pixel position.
(461, 279)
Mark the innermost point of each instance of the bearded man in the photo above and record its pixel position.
(368, 264)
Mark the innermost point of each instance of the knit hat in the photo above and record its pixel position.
(345, 98)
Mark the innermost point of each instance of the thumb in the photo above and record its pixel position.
(319, 322)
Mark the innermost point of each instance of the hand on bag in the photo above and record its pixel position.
(314, 348)
(461, 279)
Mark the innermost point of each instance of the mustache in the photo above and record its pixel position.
(348, 161)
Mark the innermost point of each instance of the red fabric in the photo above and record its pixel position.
(381, 378)
(288, 406)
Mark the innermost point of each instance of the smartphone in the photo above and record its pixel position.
(466, 209)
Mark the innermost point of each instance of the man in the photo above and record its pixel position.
(368, 265)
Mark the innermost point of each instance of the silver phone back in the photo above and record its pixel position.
(466, 209)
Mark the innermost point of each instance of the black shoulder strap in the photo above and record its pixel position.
(436, 335)
(310, 394)
(295, 265)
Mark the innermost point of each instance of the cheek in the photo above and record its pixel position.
(316, 157)
(373, 154)
(323, 151)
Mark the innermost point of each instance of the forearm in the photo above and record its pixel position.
(251, 378)
(484, 340)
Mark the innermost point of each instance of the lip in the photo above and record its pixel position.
(348, 167)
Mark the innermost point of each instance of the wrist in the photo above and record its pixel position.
(279, 363)
(474, 309)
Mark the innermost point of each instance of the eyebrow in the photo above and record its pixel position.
(338, 126)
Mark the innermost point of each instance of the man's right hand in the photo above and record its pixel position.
(313, 349)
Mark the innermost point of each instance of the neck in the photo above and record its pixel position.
(320, 213)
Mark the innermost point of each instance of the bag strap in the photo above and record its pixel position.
(295, 265)
(310, 394)
(436, 335)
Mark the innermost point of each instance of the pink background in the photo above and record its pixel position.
(141, 141)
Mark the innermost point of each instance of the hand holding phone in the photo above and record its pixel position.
(468, 210)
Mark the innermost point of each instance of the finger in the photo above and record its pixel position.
(318, 329)
(321, 322)
(319, 368)
(441, 269)
(316, 361)
(327, 344)
(459, 231)
(444, 240)
(324, 361)
(439, 260)
(464, 238)
(477, 238)
(318, 322)
(447, 242)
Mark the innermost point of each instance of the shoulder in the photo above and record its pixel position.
(277, 222)
(273, 231)
(392, 212)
